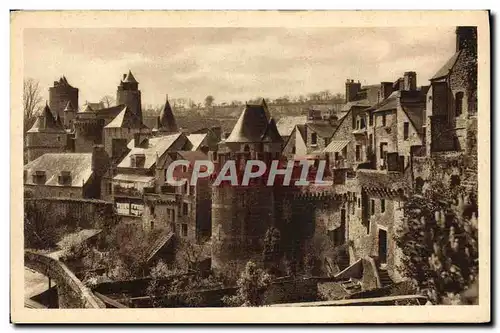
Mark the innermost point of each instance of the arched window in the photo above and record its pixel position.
(459, 99)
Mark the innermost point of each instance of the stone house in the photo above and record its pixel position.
(183, 210)
(66, 175)
(135, 174)
(47, 135)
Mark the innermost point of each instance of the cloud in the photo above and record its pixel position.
(232, 63)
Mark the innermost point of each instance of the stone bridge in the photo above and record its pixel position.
(71, 292)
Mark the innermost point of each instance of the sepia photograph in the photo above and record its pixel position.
(198, 166)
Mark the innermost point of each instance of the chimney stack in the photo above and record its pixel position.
(410, 81)
(351, 90)
(466, 38)
(385, 89)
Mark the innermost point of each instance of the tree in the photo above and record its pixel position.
(252, 284)
(439, 240)
(108, 101)
(32, 100)
(209, 100)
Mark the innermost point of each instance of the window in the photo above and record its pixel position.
(184, 208)
(191, 189)
(353, 206)
(314, 138)
(184, 230)
(358, 152)
(383, 150)
(459, 99)
(293, 150)
(406, 130)
(152, 209)
(58, 138)
(152, 225)
(384, 120)
(382, 205)
(110, 188)
(359, 203)
(373, 206)
(371, 119)
(186, 188)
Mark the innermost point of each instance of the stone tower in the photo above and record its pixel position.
(128, 93)
(241, 215)
(47, 135)
(59, 96)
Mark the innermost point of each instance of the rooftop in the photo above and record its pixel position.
(79, 165)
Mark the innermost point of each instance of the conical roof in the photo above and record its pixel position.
(166, 121)
(126, 119)
(250, 126)
(272, 134)
(46, 122)
(129, 78)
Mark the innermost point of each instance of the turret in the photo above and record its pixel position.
(128, 93)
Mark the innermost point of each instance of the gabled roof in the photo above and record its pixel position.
(47, 123)
(156, 147)
(250, 126)
(166, 121)
(129, 78)
(69, 107)
(322, 130)
(390, 103)
(196, 140)
(126, 119)
(447, 67)
(286, 124)
(79, 165)
(87, 108)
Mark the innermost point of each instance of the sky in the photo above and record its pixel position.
(231, 63)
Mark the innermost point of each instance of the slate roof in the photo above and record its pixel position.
(196, 140)
(166, 121)
(443, 71)
(322, 130)
(133, 178)
(129, 78)
(47, 123)
(126, 119)
(157, 146)
(271, 134)
(250, 126)
(80, 166)
(191, 156)
(390, 103)
(286, 124)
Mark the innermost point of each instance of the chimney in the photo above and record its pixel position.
(217, 130)
(137, 139)
(466, 38)
(410, 81)
(100, 160)
(385, 90)
(351, 89)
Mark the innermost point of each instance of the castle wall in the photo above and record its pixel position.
(240, 219)
(87, 134)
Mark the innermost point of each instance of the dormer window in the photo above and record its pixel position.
(137, 160)
(65, 178)
(459, 100)
(39, 177)
(314, 139)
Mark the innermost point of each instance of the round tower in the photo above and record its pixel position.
(128, 93)
(60, 95)
(241, 215)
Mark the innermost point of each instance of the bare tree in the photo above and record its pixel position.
(32, 100)
(108, 101)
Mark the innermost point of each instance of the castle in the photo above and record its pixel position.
(376, 149)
